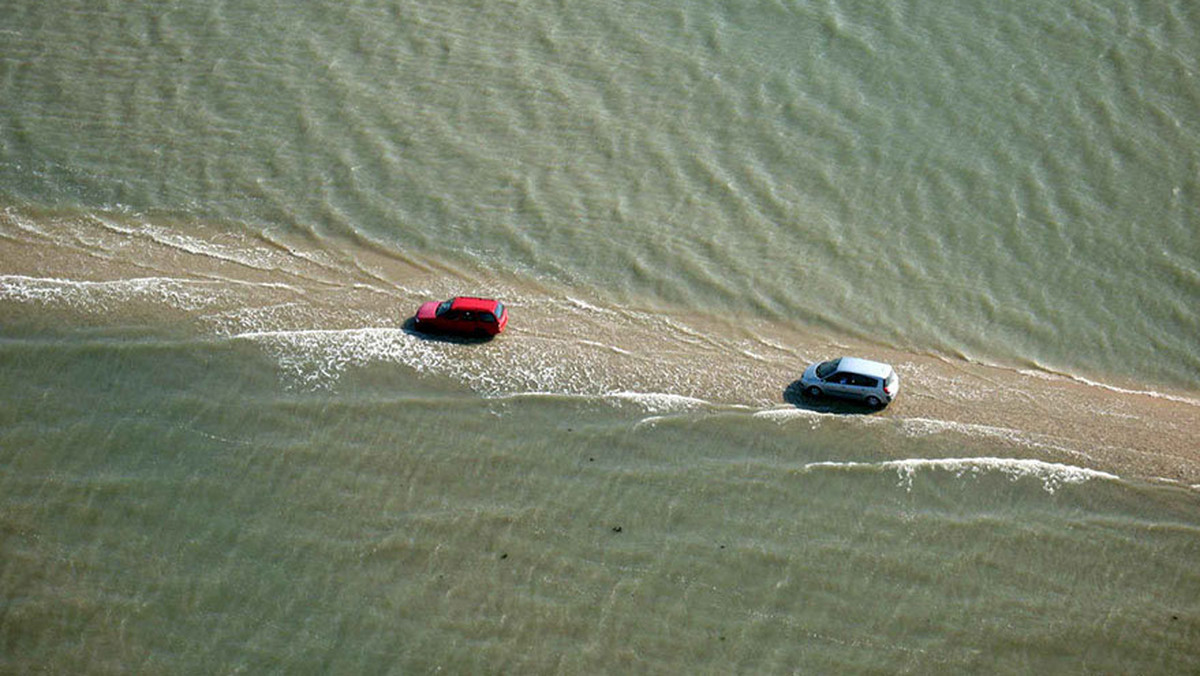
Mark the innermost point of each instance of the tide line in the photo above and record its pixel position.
(1052, 475)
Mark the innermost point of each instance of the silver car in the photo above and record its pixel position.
(852, 378)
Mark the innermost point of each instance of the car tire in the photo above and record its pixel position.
(874, 402)
(813, 391)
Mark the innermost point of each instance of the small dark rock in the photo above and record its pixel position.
(616, 529)
(504, 556)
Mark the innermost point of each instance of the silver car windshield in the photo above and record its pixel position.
(828, 368)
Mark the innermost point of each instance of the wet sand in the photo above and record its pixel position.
(324, 297)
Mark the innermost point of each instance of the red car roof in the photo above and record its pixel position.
(474, 304)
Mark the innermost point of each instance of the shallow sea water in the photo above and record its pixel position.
(223, 449)
(191, 515)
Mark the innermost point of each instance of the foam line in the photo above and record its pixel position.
(586, 306)
(316, 358)
(658, 402)
(79, 283)
(783, 414)
(248, 257)
(611, 348)
(81, 293)
(292, 334)
(925, 426)
(167, 289)
(1145, 393)
(1051, 474)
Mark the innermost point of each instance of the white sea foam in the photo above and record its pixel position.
(649, 421)
(184, 294)
(317, 358)
(659, 402)
(928, 426)
(1040, 375)
(611, 348)
(784, 414)
(1145, 393)
(584, 305)
(1044, 375)
(24, 224)
(249, 255)
(1052, 475)
(776, 345)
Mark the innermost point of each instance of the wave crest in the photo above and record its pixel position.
(1052, 475)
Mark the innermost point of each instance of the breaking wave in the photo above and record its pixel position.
(1052, 475)
(184, 294)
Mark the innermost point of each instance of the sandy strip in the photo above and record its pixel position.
(57, 271)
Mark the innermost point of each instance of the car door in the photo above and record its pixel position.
(862, 386)
(468, 323)
(838, 384)
(450, 320)
(487, 322)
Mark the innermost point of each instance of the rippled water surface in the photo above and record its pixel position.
(224, 448)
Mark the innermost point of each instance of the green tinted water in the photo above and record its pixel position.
(220, 450)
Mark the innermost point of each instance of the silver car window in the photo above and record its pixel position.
(863, 381)
(825, 369)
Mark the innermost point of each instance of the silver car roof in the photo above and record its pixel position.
(865, 367)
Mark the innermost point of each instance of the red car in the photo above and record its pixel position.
(463, 316)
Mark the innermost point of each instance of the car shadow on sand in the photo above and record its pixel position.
(410, 327)
(794, 395)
